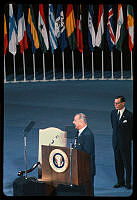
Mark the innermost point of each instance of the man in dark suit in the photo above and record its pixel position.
(121, 120)
(84, 141)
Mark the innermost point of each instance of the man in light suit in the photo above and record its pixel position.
(121, 120)
(84, 141)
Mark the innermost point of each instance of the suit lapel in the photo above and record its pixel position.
(124, 114)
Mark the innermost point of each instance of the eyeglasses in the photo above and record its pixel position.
(117, 103)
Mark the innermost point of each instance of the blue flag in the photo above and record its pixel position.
(52, 37)
(110, 31)
(60, 30)
(91, 31)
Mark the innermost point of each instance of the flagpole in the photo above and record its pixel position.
(63, 65)
(53, 68)
(102, 65)
(112, 64)
(82, 66)
(121, 66)
(73, 63)
(24, 67)
(14, 68)
(34, 66)
(44, 67)
(131, 67)
(92, 66)
(4, 70)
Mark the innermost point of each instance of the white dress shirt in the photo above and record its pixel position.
(81, 130)
(121, 112)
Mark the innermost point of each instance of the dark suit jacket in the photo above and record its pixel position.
(122, 130)
(85, 142)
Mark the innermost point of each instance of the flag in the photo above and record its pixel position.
(22, 34)
(31, 30)
(100, 27)
(52, 37)
(70, 26)
(12, 32)
(110, 27)
(130, 26)
(91, 30)
(79, 29)
(120, 32)
(42, 31)
(60, 30)
(5, 36)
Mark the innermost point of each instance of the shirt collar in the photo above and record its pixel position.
(81, 130)
(121, 111)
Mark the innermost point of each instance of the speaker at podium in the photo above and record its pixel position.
(59, 165)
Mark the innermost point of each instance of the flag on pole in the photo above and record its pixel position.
(70, 26)
(12, 32)
(79, 29)
(110, 27)
(22, 34)
(31, 30)
(120, 32)
(91, 30)
(5, 36)
(100, 27)
(60, 30)
(42, 31)
(130, 26)
(52, 37)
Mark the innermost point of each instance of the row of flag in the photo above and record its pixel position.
(61, 33)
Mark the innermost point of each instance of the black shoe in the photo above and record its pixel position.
(118, 185)
(128, 186)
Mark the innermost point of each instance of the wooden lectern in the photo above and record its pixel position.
(58, 168)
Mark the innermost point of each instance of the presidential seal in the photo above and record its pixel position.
(58, 160)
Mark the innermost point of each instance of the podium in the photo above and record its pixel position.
(57, 168)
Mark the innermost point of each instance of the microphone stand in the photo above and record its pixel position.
(25, 155)
(70, 154)
(26, 130)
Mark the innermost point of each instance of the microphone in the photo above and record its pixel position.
(29, 127)
(75, 140)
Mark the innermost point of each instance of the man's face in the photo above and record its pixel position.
(76, 122)
(118, 105)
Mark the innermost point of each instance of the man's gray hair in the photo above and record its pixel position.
(83, 117)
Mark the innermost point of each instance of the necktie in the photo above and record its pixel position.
(118, 114)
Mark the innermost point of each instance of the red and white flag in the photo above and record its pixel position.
(100, 31)
(22, 34)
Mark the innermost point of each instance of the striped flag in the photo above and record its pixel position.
(130, 26)
(42, 31)
(71, 26)
(22, 34)
(100, 27)
(52, 37)
(5, 36)
(12, 32)
(110, 27)
(79, 29)
(120, 32)
(60, 30)
(91, 30)
(31, 30)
